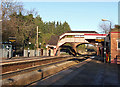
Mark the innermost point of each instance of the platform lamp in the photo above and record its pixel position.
(40, 48)
(29, 50)
(7, 52)
(110, 38)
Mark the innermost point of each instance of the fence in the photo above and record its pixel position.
(33, 53)
(6, 52)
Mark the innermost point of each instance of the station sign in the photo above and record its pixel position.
(99, 40)
(12, 39)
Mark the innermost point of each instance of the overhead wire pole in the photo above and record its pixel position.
(37, 41)
(37, 38)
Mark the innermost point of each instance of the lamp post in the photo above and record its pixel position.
(29, 50)
(110, 39)
(40, 49)
(7, 52)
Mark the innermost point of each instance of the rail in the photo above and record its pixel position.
(12, 66)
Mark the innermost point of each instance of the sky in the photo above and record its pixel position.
(70, 0)
(81, 16)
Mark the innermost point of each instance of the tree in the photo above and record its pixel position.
(66, 27)
(9, 7)
(116, 28)
(105, 27)
(22, 24)
(61, 28)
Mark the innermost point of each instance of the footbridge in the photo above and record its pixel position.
(76, 38)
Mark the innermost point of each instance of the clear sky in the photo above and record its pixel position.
(81, 16)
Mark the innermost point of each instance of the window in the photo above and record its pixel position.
(118, 45)
(69, 36)
(79, 35)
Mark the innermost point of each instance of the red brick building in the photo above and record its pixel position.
(115, 43)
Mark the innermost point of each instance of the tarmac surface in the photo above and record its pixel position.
(93, 73)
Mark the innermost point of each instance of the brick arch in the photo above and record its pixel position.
(77, 38)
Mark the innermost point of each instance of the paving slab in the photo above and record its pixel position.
(92, 73)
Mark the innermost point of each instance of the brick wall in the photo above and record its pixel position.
(114, 51)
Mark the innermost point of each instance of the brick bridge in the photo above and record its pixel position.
(76, 38)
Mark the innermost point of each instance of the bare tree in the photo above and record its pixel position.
(14, 21)
(9, 7)
(104, 27)
(32, 11)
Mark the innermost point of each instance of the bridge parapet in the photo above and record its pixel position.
(95, 36)
(72, 34)
(82, 37)
(72, 40)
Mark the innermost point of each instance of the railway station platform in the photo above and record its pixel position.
(93, 73)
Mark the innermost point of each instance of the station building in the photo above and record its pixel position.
(51, 45)
(114, 41)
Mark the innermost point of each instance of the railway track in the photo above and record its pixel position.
(15, 65)
(40, 71)
(13, 73)
(9, 68)
(25, 58)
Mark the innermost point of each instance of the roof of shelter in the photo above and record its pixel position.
(53, 40)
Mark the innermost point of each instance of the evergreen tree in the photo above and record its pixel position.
(23, 27)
